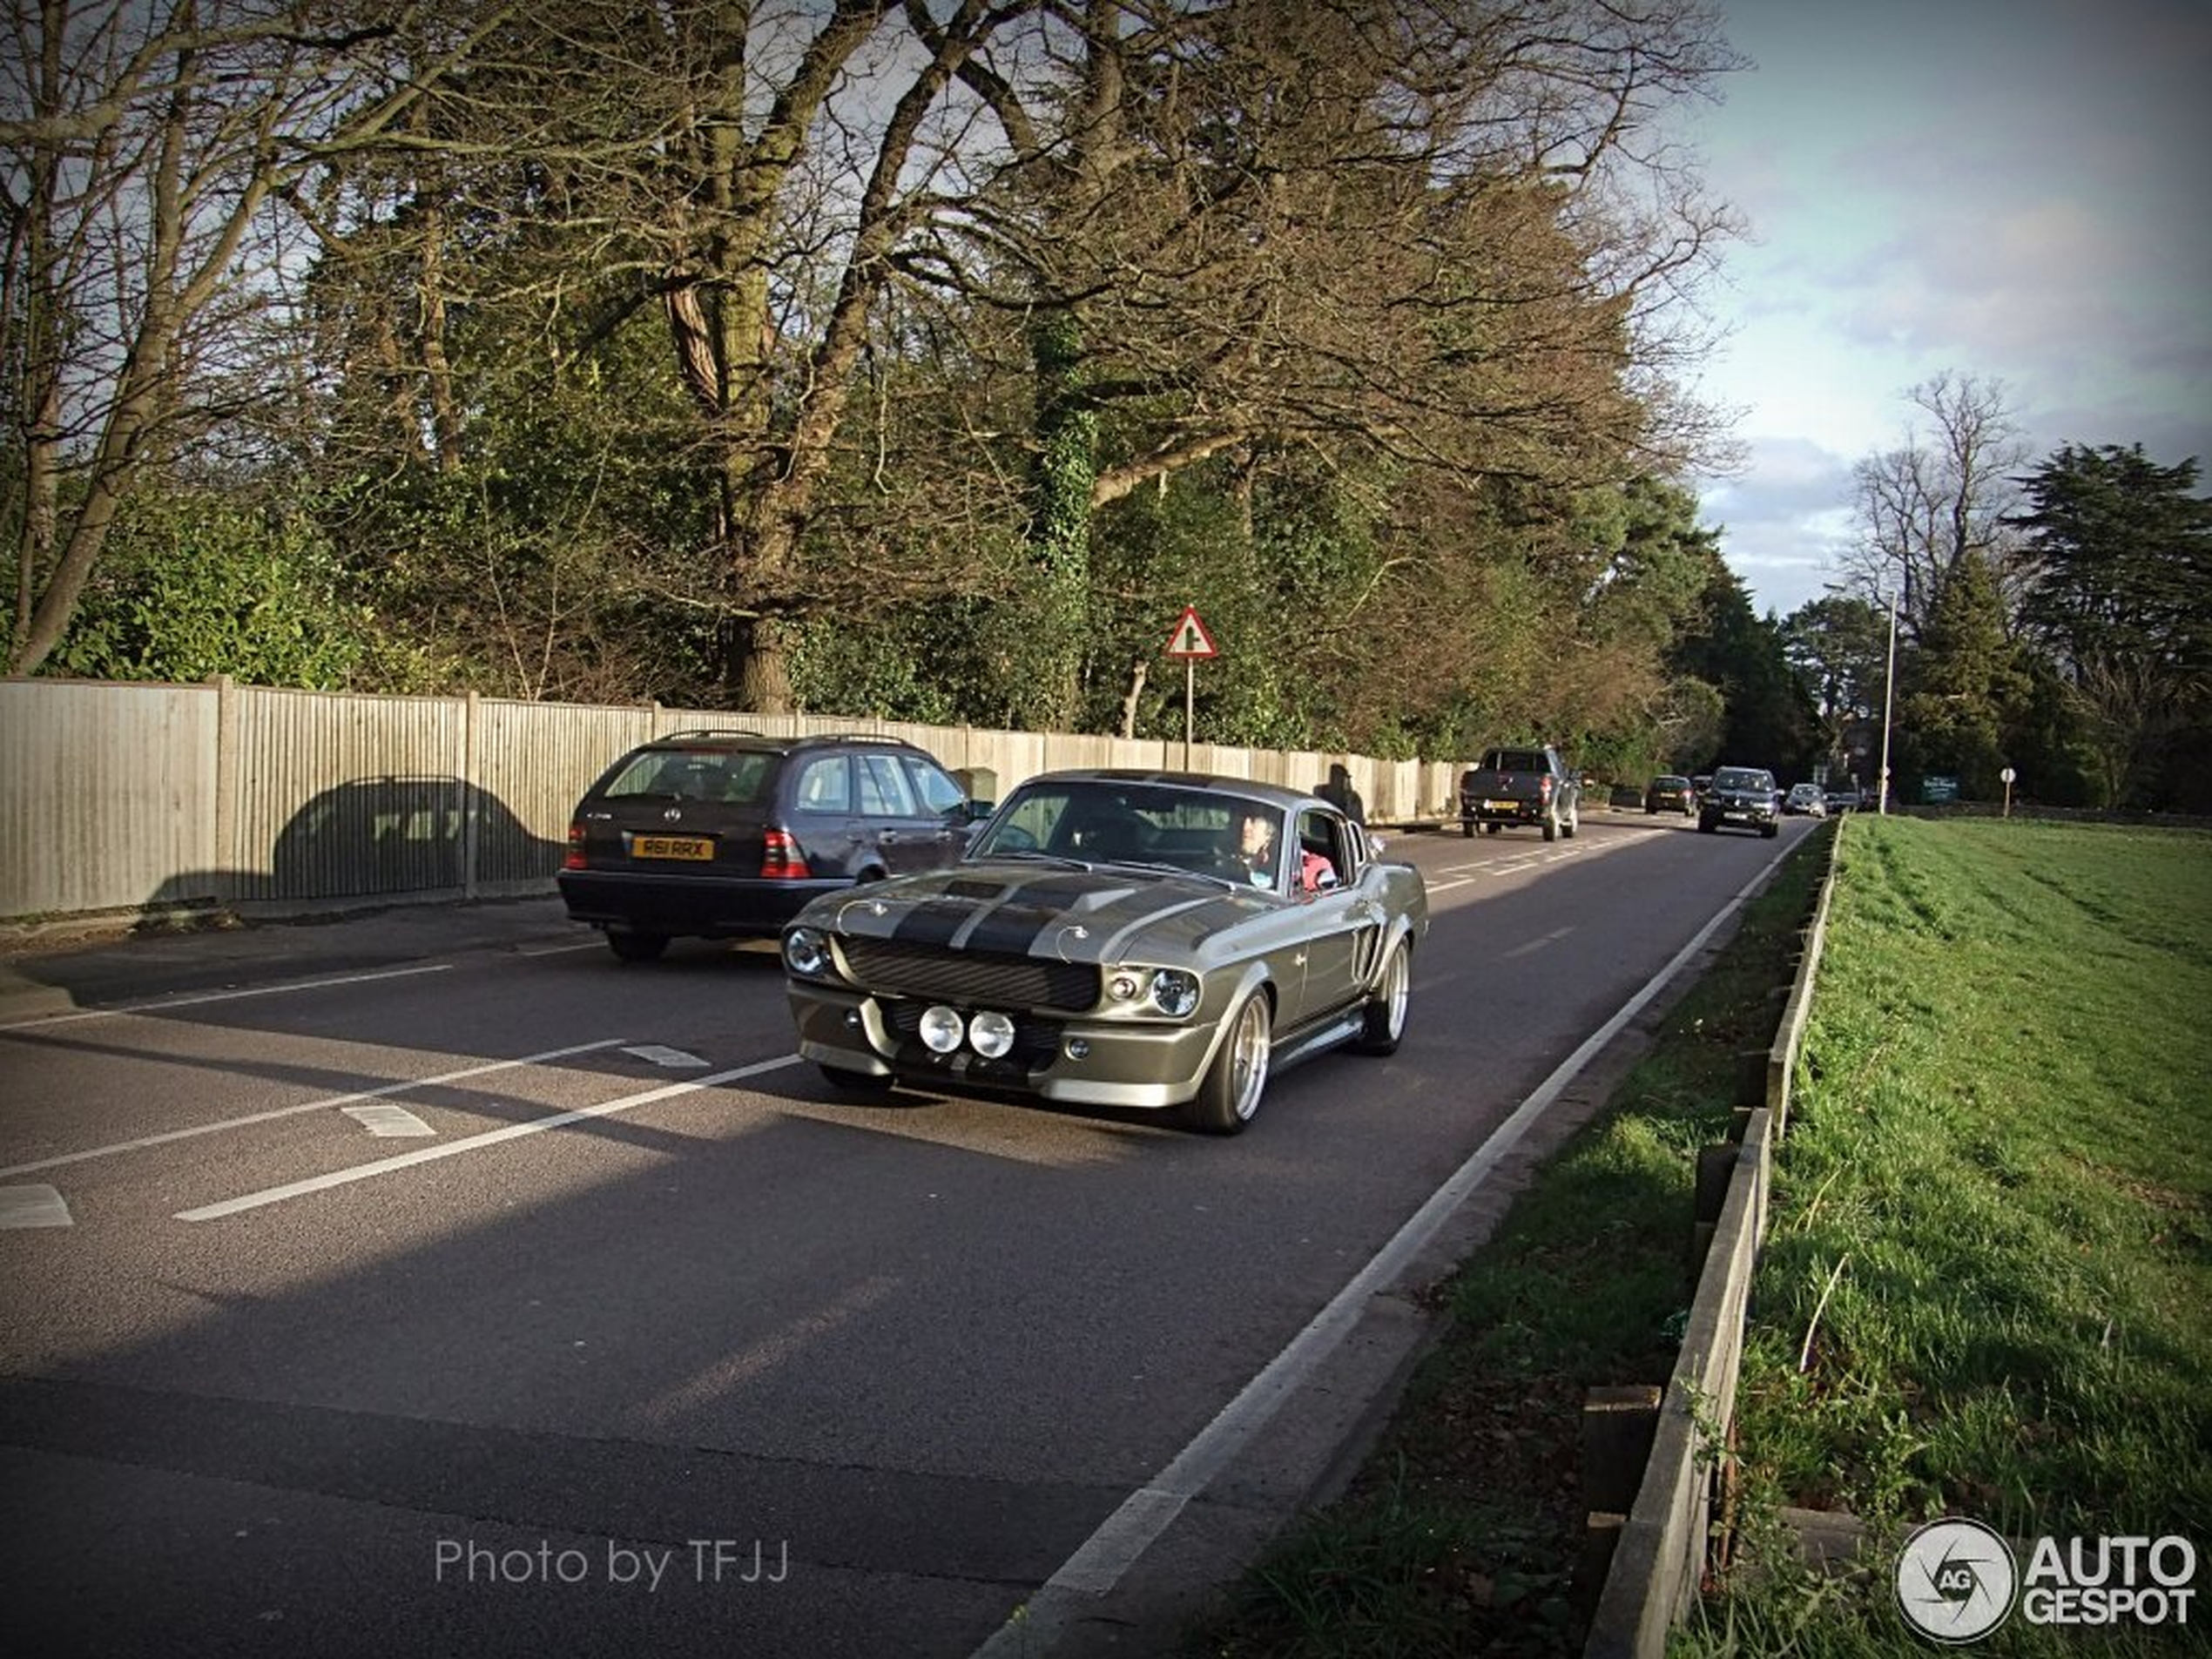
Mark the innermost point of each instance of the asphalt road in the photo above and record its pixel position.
(433, 1282)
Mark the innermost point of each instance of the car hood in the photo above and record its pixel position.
(1022, 908)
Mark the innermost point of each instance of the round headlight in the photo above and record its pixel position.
(992, 1033)
(806, 950)
(1174, 992)
(941, 1029)
(1124, 987)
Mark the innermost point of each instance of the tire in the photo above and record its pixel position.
(1230, 1094)
(854, 1082)
(1574, 823)
(1385, 1023)
(1771, 830)
(1706, 826)
(1492, 829)
(1551, 824)
(1467, 828)
(633, 946)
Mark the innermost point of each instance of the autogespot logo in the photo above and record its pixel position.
(1955, 1581)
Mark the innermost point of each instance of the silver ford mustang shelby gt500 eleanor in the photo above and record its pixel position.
(1118, 939)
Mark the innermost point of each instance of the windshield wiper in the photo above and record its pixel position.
(1174, 869)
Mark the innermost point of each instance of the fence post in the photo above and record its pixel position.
(228, 865)
(470, 817)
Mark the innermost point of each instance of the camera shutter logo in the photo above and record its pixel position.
(1955, 1581)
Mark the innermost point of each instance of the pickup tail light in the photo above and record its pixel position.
(575, 859)
(780, 858)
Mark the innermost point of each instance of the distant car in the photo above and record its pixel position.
(1846, 799)
(1111, 940)
(1741, 797)
(1806, 799)
(722, 834)
(1668, 793)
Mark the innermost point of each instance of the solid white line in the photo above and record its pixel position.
(401, 1088)
(1102, 1560)
(157, 1007)
(490, 1137)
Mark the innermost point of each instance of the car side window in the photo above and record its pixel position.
(941, 796)
(825, 786)
(1324, 861)
(885, 792)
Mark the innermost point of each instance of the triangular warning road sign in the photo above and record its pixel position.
(1190, 637)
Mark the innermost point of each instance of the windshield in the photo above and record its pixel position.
(1110, 821)
(1741, 777)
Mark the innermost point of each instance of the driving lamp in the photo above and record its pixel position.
(992, 1033)
(941, 1029)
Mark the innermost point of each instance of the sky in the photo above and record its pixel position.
(2012, 190)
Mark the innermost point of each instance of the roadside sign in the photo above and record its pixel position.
(1935, 789)
(1190, 640)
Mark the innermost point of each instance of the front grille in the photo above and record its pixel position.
(975, 978)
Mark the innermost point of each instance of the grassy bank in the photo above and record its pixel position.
(1998, 1173)
(1998, 1177)
(1461, 1534)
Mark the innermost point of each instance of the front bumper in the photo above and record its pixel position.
(1147, 1064)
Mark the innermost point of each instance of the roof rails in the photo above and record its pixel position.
(708, 731)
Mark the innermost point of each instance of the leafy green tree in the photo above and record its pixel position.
(2119, 597)
(1967, 688)
(1837, 647)
(1768, 718)
(199, 583)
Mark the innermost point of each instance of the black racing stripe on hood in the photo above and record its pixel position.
(1014, 928)
(935, 923)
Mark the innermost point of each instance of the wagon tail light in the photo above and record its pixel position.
(1543, 789)
(780, 858)
(575, 859)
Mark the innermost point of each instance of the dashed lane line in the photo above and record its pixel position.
(491, 1137)
(406, 1084)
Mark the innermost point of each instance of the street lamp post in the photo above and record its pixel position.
(1889, 687)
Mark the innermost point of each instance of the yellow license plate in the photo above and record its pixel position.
(1499, 805)
(671, 846)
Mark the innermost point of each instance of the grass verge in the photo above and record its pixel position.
(1998, 1171)
(1461, 1534)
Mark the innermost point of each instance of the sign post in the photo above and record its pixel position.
(2008, 774)
(1189, 641)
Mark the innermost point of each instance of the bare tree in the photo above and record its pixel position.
(1947, 493)
(148, 150)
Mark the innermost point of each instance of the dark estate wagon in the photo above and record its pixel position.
(721, 835)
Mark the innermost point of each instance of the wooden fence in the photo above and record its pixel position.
(121, 797)
(1657, 1550)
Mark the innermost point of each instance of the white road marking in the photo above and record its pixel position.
(674, 1059)
(388, 1121)
(160, 1007)
(33, 1207)
(1551, 938)
(1105, 1557)
(401, 1088)
(556, 950)
(490, 1137)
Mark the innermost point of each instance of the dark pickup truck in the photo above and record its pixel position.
(1521, 786)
